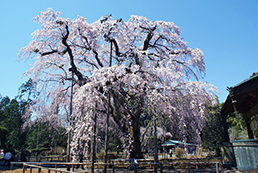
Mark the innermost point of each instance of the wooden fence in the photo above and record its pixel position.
(46, 158)
(158, 166)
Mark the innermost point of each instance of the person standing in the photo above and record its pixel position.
(23, 156)
(133, 156)
(7, 158)
(80, 158)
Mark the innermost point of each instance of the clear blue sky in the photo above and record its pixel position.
(225, 30)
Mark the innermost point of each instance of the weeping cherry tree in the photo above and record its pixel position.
(121, 68)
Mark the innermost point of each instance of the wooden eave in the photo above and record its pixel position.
(245, 98)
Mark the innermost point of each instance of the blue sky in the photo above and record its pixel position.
(225, 30)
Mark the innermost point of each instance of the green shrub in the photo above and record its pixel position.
(179, 152)
(100, 155)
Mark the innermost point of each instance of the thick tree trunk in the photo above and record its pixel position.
(136, 131)
(137, 142)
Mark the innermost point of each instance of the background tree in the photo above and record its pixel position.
(43, 140)
(11, 113)
(3, 134)
(138, 64)
(13, 133)
(212, 134)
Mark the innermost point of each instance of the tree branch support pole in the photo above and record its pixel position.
(93, 155)
(155, 145)
(106, 137)
(107, 121)
(38, 142)
(69, 121)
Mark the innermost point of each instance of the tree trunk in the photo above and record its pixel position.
(136, 132)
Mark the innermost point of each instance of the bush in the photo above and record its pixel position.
(179, 152)
(100, 155)
(59, 150)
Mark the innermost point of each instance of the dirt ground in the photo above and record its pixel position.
(19, 170)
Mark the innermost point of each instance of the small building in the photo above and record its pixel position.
(172, 144)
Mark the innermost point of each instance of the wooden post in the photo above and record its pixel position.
(217, 167)
(30, 169)
(69, 133)
(113, 168)
(55, 168)
(93, 151)
(161, 168)
(24, 168)
(39, 170)
(155, 146)
(73, 168)
(188, 167)
(107, 121)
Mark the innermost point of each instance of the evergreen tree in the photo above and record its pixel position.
(11, 119)
(212, 134)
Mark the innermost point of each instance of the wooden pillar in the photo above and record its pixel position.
(248, 126)
(225, 127)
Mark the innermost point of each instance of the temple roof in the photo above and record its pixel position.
(244, 96)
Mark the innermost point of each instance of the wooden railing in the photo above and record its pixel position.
(157, 166)
(31, 166)
(46, 158)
